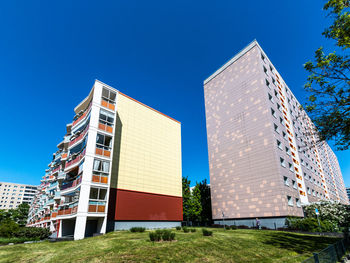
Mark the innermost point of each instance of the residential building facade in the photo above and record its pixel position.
(265, 162)
(118, 166)
(348, 192)
(12, 195)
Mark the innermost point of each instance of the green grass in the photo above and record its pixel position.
(223, 246)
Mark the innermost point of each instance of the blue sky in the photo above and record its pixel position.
(154, 51)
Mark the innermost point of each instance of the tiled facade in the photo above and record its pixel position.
(259, 163)
(12, 195)
(118, 158)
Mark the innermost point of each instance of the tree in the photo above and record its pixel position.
(20, 214)
(190, 201)
(206, 214)
(329, 80)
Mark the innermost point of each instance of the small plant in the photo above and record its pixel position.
(206, 232)
(178, 228)
(233, 227)
(193, 230)
(137, 229)
(185, 229)
(165, 235)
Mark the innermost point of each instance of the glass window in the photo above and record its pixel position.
(290, 200)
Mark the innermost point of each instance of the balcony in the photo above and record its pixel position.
(71, 184)
(76, 160)
(97, 206)
(61, 175)
(57, 195)
(64, 156)
(76, 121)
(81, 136)
(68, 209)
(103, 151)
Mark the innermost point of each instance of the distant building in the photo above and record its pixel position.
(12, 195)
(118, 166)
(261, 162)
(348, 192)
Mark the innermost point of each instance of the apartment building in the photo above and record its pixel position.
(118, 166)
(348, 192)
(265, 162)
(12, 195)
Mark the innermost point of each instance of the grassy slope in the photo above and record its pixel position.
(229, 246)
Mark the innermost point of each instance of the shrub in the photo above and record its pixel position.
(33, 232)
(8, 228)
(137, 229)
(206, 232)
(178, 228)
(164, 234)
(193, 230)
(185, 229)
(309, 225)
(233, 227)
(243, 227)
(153, 236)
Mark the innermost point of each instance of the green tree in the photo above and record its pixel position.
(206, 213)
(329, 80)
(190, 201)
(20, 214)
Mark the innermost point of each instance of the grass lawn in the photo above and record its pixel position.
(224, 246)
(4, 240)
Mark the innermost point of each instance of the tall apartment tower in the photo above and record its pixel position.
(261, 163)
(12, 195)
(118, 166)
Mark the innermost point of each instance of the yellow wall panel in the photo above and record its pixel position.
(148, 150)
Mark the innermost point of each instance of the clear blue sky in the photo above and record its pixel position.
(158, 53)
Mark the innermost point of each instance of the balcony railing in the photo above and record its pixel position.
(103, 151)
(105, 127)
(97, 206)
(71, 184)
(82, 116)
(76, 159)
(68, 210)
(108, 105)
(100, 179)
(79, 137)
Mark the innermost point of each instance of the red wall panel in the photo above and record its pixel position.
(132, 205)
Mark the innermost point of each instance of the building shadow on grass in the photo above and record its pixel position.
(298, 243)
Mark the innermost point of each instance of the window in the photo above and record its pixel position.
(103, 141)
(282, 162)
(297, 201)
(270, 97)
(262, 57)
(273, 113)
(265, 70)
(279, 144)
(101, 166)
(290, 166)
(290, 200)
(108, 95)
(281, 121)
(273, 81)
(284, 135)
(98, 193)
(287, 150)
(313, 192)
(285, 180)
(106, 118)
(267, 83)
(278, 107)
(276, 128)
(308, 190)
(272, 69)
(294, 183)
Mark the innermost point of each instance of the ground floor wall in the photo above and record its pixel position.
(125, 225)
(126, 205)
(269, 222)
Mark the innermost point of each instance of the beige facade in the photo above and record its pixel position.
(149, 152)
(12, 195)
(258, 160)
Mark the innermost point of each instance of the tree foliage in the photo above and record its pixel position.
(206, 214)
(192, 207)
(18, 215)
(329, 79)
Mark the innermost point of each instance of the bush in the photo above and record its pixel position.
(33, 232)
(185, 229)
(243, 227)
(233, 227)
(206, 232)
(178, 228)
(308, 224)
(165, 235)
(8, 228)
(137, 229)
(193, 230)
